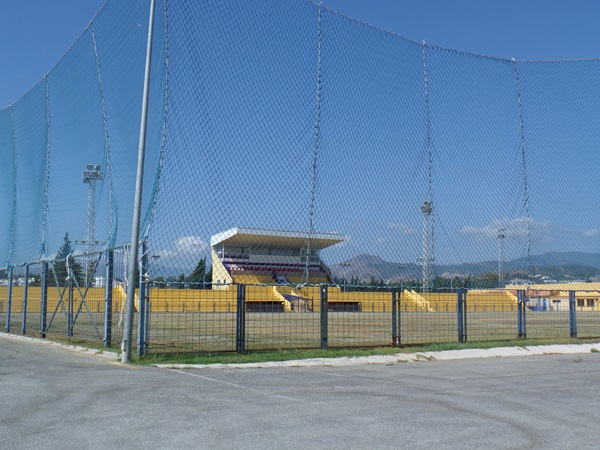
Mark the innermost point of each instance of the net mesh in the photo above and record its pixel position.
(332, 151)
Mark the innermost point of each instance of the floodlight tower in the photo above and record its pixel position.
(428, 257)
(501, 236)
(91, 174)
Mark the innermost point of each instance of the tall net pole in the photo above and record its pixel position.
(524, 171)
(427, 207)
(315, 151)
(135, 229)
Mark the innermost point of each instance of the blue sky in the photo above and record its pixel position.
(34, 34)
(474, 116)
(522, 29)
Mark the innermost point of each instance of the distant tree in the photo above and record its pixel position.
(181, 281)
(489, 279)
(65, 250)
(374, 282)
(90, 273)
(200, 278)
(36, 280)
(199, 274)
(209, 276)
(440, 283)
(60, 263)
(159, 282)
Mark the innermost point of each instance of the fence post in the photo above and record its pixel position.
(465, 314)
(395, 311)
(70, 275)
(240, 335)
(324, 308)
(142, 346)
(522, 314)
(461, 308)
(24, 304)
(9, 298)
(459, 313)
(108, 299)
(44, 300)
(400, 316)
(573, 314)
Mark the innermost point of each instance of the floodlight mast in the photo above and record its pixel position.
(427, 259)
(501, 236)
(91, 174)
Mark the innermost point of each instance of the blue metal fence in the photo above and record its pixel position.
(180, 318)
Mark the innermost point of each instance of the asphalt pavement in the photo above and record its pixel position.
(54, 397)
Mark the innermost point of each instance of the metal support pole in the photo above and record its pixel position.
(143, 299)
(522, 315)
(461, 304)
(395, 327)
(465, 321)
(108, 299)
(44, 300)
(147, 319)
(324, 308)
(24, 304)
(70, 276)
(572, 314)
(9, 299)
(519, 315)
(240, 335)
(400, 315)
(459, 313)
(135, 229)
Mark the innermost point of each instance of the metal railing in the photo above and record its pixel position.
(50, 301)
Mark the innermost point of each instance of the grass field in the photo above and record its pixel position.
(216, 332)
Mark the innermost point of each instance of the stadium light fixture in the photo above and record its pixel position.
(91, 174)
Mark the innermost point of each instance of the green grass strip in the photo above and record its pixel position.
(287, 355)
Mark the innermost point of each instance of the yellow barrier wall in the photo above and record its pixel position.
(94, 299)
(225, 300)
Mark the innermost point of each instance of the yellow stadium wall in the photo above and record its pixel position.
(225, 299)
(94, 299)
(194, 300)
(369, 301)
(476, 301)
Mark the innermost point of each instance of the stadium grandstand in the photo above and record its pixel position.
(256, 256)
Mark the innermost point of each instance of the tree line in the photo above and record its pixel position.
(199, 278)
(487, 280)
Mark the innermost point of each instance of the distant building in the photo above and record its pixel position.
(256, 256)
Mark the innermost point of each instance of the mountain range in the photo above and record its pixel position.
(554, 265)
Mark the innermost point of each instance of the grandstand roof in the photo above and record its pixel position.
(255, 237)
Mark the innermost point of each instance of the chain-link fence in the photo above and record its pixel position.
(290, 147)
(83, 299)
(256, 318)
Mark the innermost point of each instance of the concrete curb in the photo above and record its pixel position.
(81, 350)
(448, 355)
